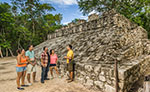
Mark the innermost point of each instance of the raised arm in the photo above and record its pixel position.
(69, 57)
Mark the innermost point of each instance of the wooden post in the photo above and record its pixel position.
(116, 75)
(147, 84)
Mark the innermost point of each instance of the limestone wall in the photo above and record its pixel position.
(96, 44)
(82, 25)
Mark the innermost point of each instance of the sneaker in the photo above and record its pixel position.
(24, 85)
(46, 79)
(42, 82)
(29, 84)
(19, 88)
(70, 81)
(52, 77)
(59, 76)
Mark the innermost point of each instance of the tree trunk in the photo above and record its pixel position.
(6, 52)
(20, 46)
(113, 3)
(33, 30)
(1, 53)
(11, 52)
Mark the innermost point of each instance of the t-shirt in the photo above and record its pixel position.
(30, 54)
(70, 54)
(54, 58)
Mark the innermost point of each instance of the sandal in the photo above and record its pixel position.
(19, 88)
(70, 81)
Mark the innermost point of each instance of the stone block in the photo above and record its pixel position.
(99, 84)
(89, 68)
(97, 69)
(109, 88)
(102, 78)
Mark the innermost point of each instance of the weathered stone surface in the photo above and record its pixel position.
(97, 44)
(93, 17)
(88, 68)
(99, 84)
(109, 88)
(89, 82)
(97, 69)
(102, 78)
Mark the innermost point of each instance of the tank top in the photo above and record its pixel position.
(23, 60)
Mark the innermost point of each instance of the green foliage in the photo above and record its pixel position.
(26, 22)
(75, 20)
(137, 11)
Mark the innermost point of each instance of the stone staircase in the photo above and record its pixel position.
(106, 39)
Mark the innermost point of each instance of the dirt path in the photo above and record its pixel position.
(8, 81)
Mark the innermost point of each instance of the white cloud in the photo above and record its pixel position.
(93, 12)
(65, 23)
(62, 2)
(84, 17)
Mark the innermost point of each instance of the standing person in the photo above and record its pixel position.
(47, 68)
(21, 68)
(69, 57)
(31, 67)
(44, 62)
(53, 62)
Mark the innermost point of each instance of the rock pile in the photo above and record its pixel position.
(97, 44)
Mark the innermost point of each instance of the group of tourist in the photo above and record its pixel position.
(27, 63)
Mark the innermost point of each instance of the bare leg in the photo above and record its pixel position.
(23, 77)
(34, 75)
(19, 75)
(71, 75)
(51, 70)
(28, 78)
(56, 70)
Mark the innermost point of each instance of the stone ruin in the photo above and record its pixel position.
(93, 17)
(97, 44)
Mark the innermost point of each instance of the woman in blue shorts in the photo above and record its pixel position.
(21, 68)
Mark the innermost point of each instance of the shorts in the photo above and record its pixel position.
(70, 67)
(52, 65)
(21, 69)
(31, 68)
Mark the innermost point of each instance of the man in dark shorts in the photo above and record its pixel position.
(69, 57)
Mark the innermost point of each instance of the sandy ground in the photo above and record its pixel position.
(8, 81)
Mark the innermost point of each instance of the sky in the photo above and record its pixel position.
(68, 8)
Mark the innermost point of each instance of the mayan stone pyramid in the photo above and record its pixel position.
(97, 44)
